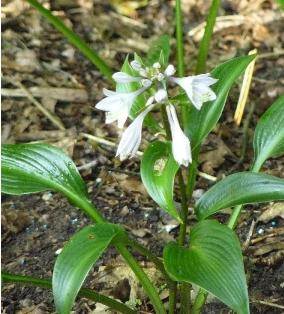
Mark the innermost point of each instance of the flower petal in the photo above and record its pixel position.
(205, 79)
(161, 95)
(197, 88)
(121, 77)
(131, 137)
(180, 143)
(136, 65)
(118, 104)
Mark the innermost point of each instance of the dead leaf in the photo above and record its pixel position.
(128, 8)
(111, 276)
(267, 248)
(213, 158)
(260, 33)
(274, 210)
(14, 220)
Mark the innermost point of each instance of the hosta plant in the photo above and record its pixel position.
(187, 108)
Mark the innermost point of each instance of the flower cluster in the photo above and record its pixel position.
(117, 105)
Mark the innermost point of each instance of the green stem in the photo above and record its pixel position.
(184, 209)
(199, 301)
(87, 207)
(185, 298)
(192, 172)
(205, 42)
(159, 264)
(74, 39)
(86, 293)
(172, 299)
(186, 194)
(179, 39)
(143, 278)
(185, 287)
(234, 216)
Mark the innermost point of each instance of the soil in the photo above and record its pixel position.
(34, 54)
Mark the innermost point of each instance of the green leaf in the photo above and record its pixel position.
(269, 133)
(29, 168)
(158, 170)
(281, 3)
(238, 189)
(77, 258)
(199, 123)
(213, 262)
(159, 51)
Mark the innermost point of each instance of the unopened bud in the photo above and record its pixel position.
(170, 70)
(136, 65)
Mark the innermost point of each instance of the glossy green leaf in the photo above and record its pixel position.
(213, 262)
(77, 258)
(199, 123)
(269, 133)
(159, 51)
(158, 170)
(238, 189)
(29, 168)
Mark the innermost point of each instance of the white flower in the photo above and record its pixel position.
(131, 138)
(170, 70)
(121, 77)
(180, 143)
(161, 95)
(118, 105)
(136, 65)
(197, 88)
(156, 65)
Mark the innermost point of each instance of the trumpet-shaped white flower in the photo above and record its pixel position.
(118, 105)
(197, 88)
(131, 138)
(180, 143)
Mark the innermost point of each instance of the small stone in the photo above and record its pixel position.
(124, 211)
(260, 231)
(57, 252)
(47, 196)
